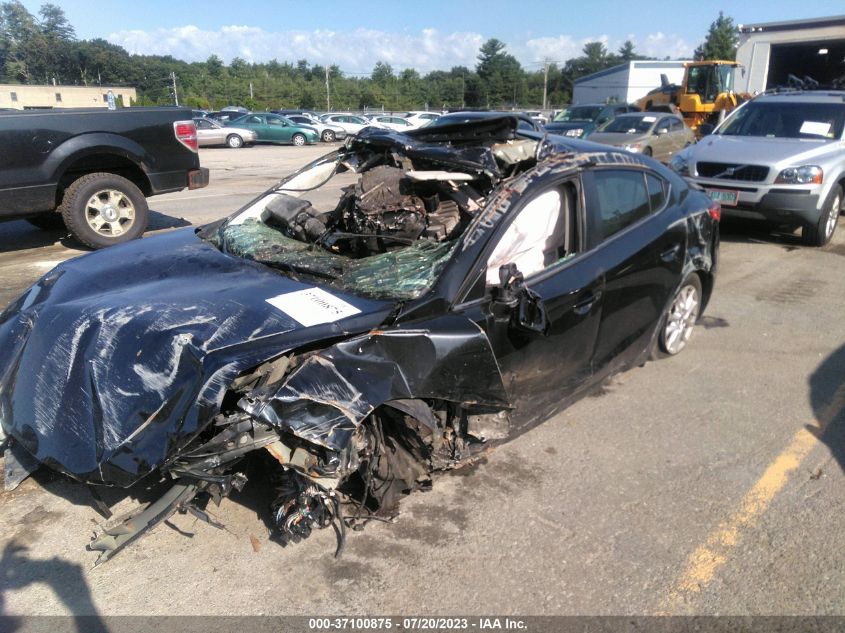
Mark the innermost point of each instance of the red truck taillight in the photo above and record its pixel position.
(186, 133)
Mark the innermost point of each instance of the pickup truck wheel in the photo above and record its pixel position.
(47, 221)
(234, 141)
(298, 140)
(104, 209)
(820, 233)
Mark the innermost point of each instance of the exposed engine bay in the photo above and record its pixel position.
(389, 230)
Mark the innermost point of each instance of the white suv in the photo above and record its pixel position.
(779, 157)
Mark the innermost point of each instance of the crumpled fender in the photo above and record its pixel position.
(330, 394)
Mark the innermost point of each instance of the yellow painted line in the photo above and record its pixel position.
(703, 564)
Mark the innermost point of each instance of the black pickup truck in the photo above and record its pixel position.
(92, 169)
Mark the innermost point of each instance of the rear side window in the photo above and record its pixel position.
(656, 192)
(621, 198)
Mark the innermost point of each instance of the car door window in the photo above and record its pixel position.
(676, 125)
(255, 120)
(656, 192)
(541, 234)
(203, 125)
(621, 199)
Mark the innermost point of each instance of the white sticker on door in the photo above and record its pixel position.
(313, 306)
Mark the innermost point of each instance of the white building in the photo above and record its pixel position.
(627, 82)
(770, 52)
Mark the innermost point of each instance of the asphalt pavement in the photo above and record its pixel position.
(708, 483)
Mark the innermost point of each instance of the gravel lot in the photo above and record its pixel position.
(710, 483)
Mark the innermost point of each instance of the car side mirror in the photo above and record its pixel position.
(661, 132)
(515, 303)
(705, 129)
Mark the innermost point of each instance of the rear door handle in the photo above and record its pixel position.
(586, 304)
(669, 254)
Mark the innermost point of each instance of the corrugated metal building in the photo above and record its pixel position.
(26, 96)
(627, 82)
(771, 51)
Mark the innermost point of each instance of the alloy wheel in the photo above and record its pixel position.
(681, 319)
(110, 212)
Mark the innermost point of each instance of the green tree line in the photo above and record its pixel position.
(43, 48)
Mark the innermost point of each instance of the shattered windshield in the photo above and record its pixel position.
(380, 217)
(401, 274)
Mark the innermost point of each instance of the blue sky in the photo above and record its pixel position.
(426, 34)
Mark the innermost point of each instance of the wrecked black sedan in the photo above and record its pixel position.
(390, 310)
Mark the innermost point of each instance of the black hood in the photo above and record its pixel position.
(114, 361)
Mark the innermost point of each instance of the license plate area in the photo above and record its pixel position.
(729, 197)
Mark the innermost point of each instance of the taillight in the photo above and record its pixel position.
(715, 210)
(186, 133)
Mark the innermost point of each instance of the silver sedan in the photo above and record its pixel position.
(328, 131)
(212, 133)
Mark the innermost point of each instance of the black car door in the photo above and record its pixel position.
(634, 224)
(543, 370)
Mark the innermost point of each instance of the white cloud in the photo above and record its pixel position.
(354, 51)
(557, 49)
(660, 45)
(357, 51)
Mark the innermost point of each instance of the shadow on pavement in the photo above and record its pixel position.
(65, 579)
(20, 235)
(742, 231)
(158, 221)
(827, 396)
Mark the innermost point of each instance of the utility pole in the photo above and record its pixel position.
(175, 96)
(250, 90)
(545, 84)
(546, 65)
(328, 95)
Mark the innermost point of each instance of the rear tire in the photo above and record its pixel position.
(328, 136)
(234, 141)
(48, 221)
(647, 152)
(103, 209)
(679, 319)
(822, 231)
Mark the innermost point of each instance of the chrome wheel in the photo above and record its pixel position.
(681, 319)
(328, 136)
(832, 216)
(298, 140)
(110, 212)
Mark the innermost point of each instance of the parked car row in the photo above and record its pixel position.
(777, 157)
